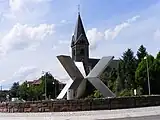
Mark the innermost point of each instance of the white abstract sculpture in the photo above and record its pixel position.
(78, 82)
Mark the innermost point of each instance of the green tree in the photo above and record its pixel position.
(105, 76)
(141, 53)
(52, 85)
(31, 92)
(14, 91)
(126, 92)
(3, 95)
(125, 82)
(97, 94)
(109, 78)
(158, 56)
(24, 91)
(141, 73)
(155, 76)
(112, 83)
(120, 77)
(37, 92)
(128, 67)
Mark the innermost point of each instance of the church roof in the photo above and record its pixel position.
(79, 33)
(93, 61)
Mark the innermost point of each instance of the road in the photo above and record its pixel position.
(147, 113)
(154, 117)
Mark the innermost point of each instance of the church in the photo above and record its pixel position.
(80, 51)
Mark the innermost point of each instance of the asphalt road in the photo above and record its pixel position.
(154, 117)
(147, 113)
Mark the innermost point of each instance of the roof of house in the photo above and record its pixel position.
(34, 82)
(37, 82)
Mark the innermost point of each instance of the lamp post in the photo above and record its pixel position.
(149, 89)
(45, 87)
(55, 92)
(7, 97)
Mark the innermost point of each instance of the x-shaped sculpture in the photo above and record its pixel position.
(92, 77)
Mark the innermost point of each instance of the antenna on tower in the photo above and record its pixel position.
(78, 8)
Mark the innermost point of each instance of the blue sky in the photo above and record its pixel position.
(34, 32)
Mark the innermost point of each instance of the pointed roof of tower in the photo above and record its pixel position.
(79, 29)
(79, 32)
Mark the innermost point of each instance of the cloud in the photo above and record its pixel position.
(26, 73)
(133, 19)
(94, 36)
(18, 5)
(24, 36)
(111, 34)
(63, 21)
(27, 10)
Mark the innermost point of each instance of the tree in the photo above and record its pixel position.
(52, 85)
(14, 91)
(3, 95)
(158, 56)
(141, 74)
(141, 53)
(127, 69)
(109, 77)
(31, 92)
(120, 77)
(112, 80)
(97, 94)
(105, 76)
(24, 91)
(155, 76)
(126, 92)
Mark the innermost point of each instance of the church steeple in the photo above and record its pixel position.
(80, 44)
(79, 33)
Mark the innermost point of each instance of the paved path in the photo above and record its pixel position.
(148, 113)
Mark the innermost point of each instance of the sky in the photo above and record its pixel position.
(34, 32)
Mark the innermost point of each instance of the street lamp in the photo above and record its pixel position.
(7, 97)
(45, 84)
(55, 92)
(149, 89)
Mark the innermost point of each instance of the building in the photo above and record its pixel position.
(80, 51)
(34, 82)
(59, 85)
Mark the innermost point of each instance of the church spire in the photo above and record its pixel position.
(80, 44)
(79, 32)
